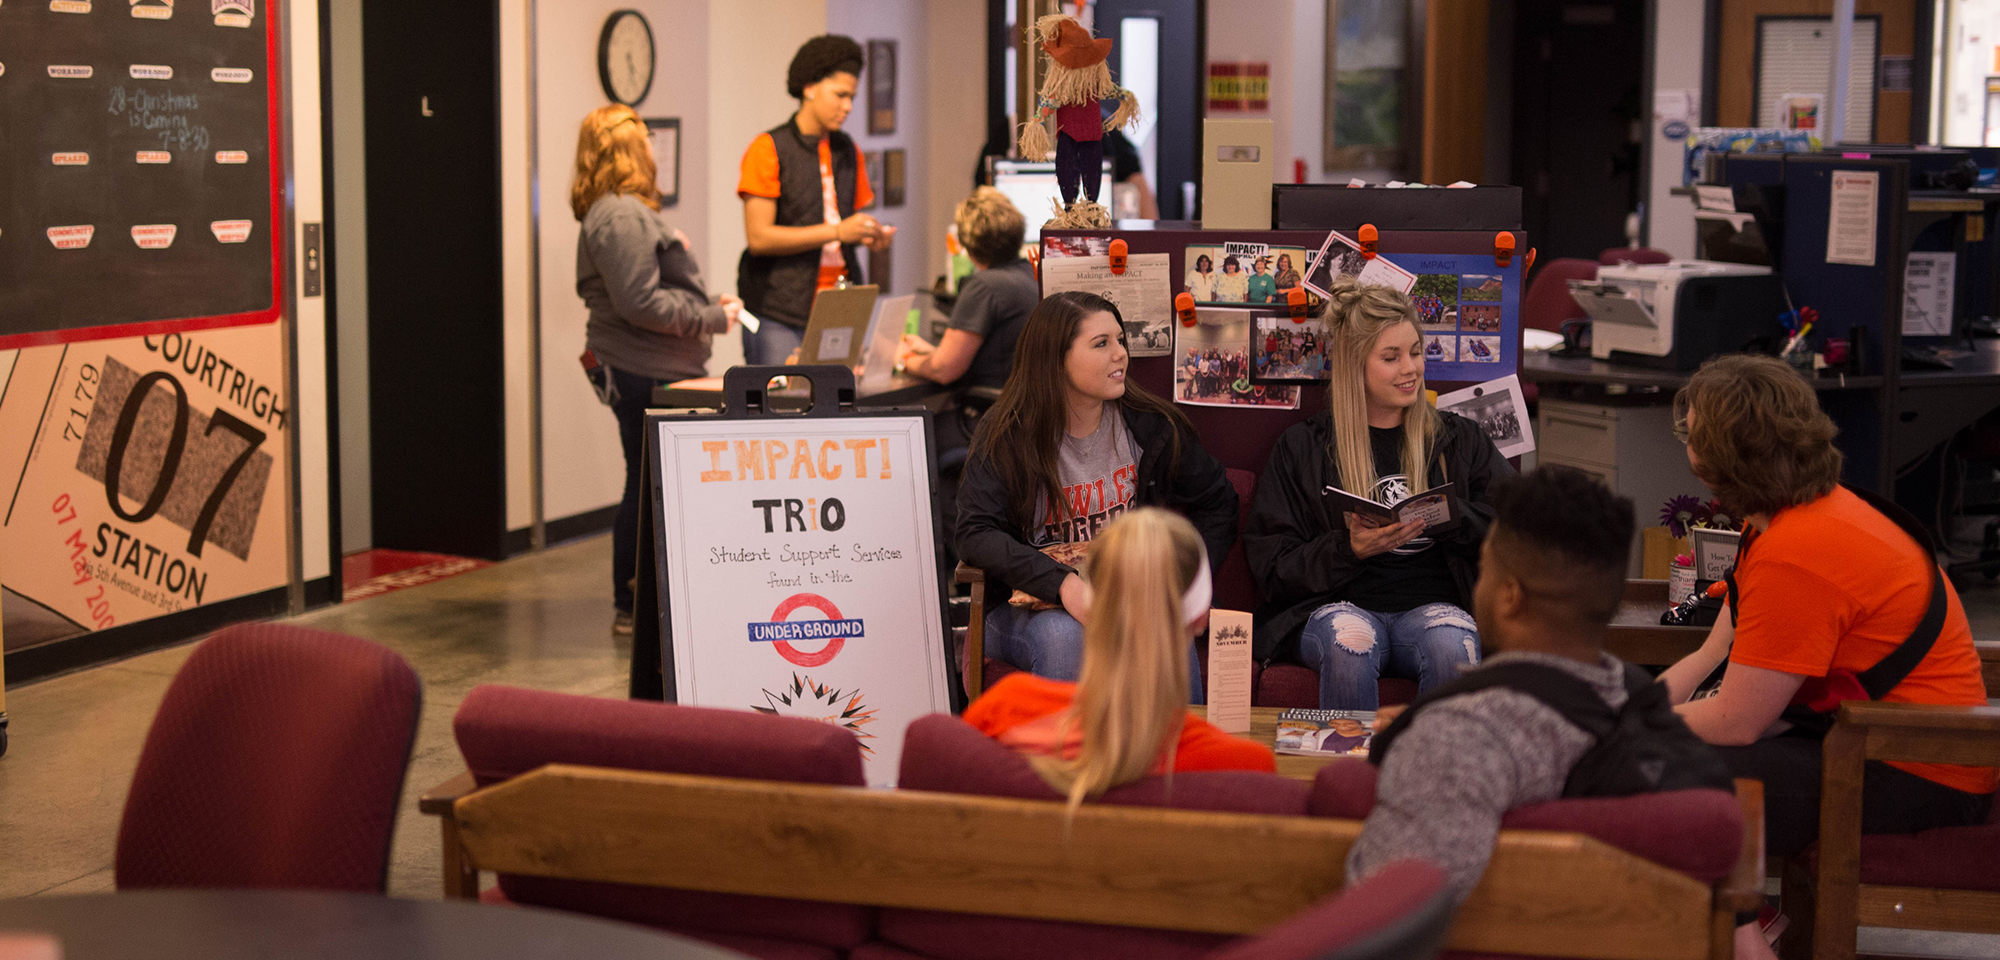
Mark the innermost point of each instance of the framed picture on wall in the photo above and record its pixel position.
(666, 134)
(872, 163)
(894, 162)
(881, 87)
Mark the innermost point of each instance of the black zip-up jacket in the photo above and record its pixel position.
(1195, 486)
(1296, 541)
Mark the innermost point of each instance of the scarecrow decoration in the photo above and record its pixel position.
(1078, 81)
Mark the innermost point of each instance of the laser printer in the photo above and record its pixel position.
(1675, 315)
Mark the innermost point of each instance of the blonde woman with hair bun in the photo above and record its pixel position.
(1126, 715)
(650, 316)
(1351, 598)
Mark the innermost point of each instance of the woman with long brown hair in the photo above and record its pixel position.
(1126, 716)
(650, 316)
(1069, 446)
(1349, 597)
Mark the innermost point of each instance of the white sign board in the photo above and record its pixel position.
(801, 572)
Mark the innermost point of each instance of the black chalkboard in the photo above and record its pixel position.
(139, 180)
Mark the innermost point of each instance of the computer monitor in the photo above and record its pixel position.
(1032, 189)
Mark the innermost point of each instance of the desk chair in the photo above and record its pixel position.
(1935, 880)
(1633, 255)
(1982, 445)
(276, 761)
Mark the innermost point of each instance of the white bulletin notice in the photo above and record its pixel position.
(1228, 684)
(801, 572)
(1850, 224)
(1144, 295)
(1928, 280)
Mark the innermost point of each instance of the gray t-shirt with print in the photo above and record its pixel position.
(1099, 476)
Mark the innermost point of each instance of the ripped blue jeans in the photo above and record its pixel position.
(1352, 648)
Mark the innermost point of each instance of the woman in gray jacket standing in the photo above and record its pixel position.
(650, 317)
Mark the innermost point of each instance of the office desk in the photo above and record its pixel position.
(1540, 367)
(706, 392)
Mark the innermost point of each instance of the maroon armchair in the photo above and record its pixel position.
(508, 731)
(276, 760)
(1549, 303)
(1402, 912)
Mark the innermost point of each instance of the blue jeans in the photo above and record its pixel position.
(1352, 648)
(634, 395)
(771, 344)
(1049, 643)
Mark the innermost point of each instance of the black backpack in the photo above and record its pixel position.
(1643, 748)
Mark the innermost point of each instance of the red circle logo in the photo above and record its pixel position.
(823, 654)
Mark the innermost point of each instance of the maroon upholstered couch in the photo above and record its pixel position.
(506, 731)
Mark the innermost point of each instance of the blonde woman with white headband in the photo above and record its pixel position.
(1126, 715)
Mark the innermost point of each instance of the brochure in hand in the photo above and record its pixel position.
(1433, 506)
(1325, 733)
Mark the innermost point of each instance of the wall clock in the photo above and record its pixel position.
(625, 57)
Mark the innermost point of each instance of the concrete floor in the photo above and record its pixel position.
(541, 621)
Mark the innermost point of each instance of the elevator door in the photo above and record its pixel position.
(434, 310)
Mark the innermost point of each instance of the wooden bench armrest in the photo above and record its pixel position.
(1743, 889)
(965, 574)
(1925, 733)
(437, 800)
(461, 876)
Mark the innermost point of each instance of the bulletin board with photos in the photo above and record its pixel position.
(1245, 349)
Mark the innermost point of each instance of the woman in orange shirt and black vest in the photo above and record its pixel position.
(801, 183)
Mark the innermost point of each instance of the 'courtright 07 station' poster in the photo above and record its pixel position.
(802, 573)
(142, 476)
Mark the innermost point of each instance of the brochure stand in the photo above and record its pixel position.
(788, 562)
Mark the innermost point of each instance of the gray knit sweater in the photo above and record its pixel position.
(1464, 762)
(649, 313)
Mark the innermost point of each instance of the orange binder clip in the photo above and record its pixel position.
(1529, 263)
(1118, 258)
(1367, 236)
(1184, 306)
(1297, 299)
(1503, 248)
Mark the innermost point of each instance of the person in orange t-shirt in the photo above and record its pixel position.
(801, 183)
(1826, 582)
(1149, 598)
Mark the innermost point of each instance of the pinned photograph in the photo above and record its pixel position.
(1435, 296)
(1499, 409)
(1479, 349)
(1340, 256)
(1479, 318)
(1283, 351)
(1476, 287)
(1212, 365)
(1440, 348)
(1242, 273)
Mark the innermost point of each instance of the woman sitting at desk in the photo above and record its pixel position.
(977, 349)
(1828, 582)
(1126, 717)
(1068, 447)
(650, 319)
(1352, 597)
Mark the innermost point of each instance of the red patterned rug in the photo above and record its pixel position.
(372, 573)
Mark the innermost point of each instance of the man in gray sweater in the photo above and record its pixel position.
(1551, 574)
(1551, 577)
